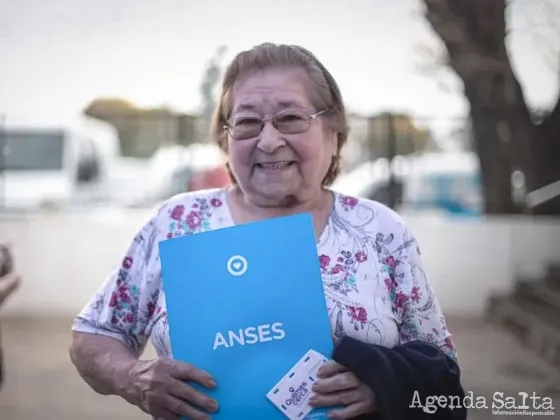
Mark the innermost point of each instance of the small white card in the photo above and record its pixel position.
(291, 394)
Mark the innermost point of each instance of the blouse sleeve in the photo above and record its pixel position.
(125, 305)
(421, 315)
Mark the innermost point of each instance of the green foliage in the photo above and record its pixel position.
(142, 131)
(408, 138)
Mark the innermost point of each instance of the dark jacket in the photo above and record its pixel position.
(394, 374)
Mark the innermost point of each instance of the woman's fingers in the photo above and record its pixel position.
(183, 409)
(339, 382)
(337, 398)
(188, 393)
(8, 284)
(330, 368)
(188, 372)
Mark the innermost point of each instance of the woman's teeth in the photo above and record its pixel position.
(275, 166)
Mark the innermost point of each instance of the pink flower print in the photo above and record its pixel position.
(337, 269)
(358, 314)
(361, 256)
(391, 262)
(415, 294)
(324, 261)
(216, 202)
(390, 284)
(151, 309)
(348, 202)
(169, 235)
(340, 259)
(193, 219)
(114, 300)
(127, 263)
(400, 300)
(177, 212)
(114, 320)
(124, 297)
(449, 346)
(129, 317)
(123, 294)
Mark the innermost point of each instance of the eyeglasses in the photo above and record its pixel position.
(287, 122)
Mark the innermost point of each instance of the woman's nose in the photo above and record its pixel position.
(270, 139)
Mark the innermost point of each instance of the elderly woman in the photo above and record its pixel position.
(282, 122)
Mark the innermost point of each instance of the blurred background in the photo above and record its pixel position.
(455, 123)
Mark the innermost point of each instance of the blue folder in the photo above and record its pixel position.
(246, 303)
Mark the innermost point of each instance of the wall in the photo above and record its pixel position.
(64, 258)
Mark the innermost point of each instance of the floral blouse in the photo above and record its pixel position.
(374, 281)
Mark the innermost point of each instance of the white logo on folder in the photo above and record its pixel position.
(237, 265)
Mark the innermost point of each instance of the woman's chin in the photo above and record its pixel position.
(272, 194)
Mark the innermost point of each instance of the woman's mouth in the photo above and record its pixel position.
(275, 166)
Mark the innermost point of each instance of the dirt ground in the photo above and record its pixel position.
(42, 384)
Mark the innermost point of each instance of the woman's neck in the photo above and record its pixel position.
(242, 210)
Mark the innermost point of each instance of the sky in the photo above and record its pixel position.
(56, 56)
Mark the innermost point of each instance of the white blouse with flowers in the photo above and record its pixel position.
(374, 282)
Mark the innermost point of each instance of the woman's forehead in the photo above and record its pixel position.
(260, 105)
(273, 88)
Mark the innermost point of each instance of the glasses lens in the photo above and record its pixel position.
(245, 127)
(292, 122)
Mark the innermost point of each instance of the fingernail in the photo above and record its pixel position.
(312, 401)
(212, 406)
(319, 373)
(211, 384)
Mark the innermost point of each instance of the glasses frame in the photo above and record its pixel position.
(263, 121)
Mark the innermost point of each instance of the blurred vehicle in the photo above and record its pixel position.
(175, 169)
(371, 180)
(448, 182)
(209, 178)
(42, 164)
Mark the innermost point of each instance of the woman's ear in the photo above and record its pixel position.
(332, 140)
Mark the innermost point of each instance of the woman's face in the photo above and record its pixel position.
(272, 167)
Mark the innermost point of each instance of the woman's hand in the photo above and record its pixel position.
(158, 388)
(8, 284)
(339, 386)
(9, 279)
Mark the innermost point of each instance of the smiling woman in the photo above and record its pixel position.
(282, 123)
(277, 170)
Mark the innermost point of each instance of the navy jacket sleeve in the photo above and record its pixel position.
(398, 375)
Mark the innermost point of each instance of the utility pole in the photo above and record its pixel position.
(391, 153)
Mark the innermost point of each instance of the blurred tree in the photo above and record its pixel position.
(461, 138)
(210, 81)
(122, 115)
(142, 131)
(408, 138)
(507, 135)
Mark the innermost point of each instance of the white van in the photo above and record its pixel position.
(44, 164)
